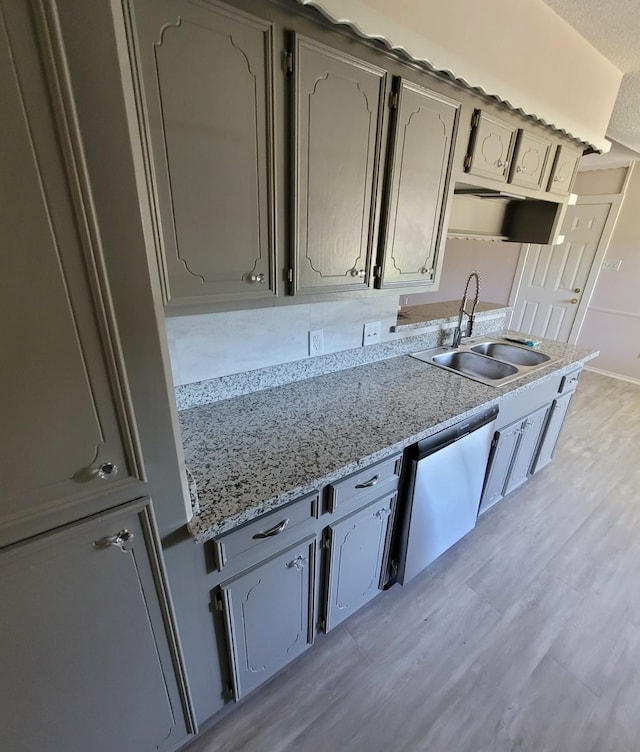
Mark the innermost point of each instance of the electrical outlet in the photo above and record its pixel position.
(316, 342)
(371, 333)
(611, 266)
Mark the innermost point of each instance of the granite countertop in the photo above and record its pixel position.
(253, 453)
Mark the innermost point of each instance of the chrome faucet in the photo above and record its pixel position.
(457, 333)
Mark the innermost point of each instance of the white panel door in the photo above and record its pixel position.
(554, 277)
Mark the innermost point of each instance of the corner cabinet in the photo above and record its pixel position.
(89, 648)
(338, 106)
(204, 75)
(418, 186)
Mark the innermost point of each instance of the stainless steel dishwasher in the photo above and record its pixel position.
(441, 492)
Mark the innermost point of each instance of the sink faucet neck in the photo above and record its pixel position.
(462, 312)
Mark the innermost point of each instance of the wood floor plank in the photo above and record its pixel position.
(525, 636)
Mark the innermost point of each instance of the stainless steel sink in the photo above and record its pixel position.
(520, 356)
(473, 364)
(489, 361)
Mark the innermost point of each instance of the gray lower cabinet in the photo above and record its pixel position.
(269, 615)
(511, 457)
(357, 552)
(88, 646)
(552, 430)
(418, 186)
(338, 105)
(204, 75)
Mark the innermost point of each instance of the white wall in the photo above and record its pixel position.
(218, 344)
(612, 323)
(496, 262)
(519, 50)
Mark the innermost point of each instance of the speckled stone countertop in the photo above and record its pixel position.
(418, 316)
(253, 453)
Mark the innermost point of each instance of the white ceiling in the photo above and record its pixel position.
(613, 28)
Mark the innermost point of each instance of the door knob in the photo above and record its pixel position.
(577, 289)
(573, 300)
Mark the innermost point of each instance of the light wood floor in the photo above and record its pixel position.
(525, 636)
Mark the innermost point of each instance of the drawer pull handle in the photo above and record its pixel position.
(369, 483)
(272, 530)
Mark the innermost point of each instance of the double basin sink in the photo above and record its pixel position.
(489, 361)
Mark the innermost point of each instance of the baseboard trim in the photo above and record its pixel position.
(613, 375)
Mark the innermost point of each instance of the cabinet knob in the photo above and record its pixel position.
(499, 163)
(556, 178)
(256, 277)
(357, 272)
(424, 270)
(119, 540)
(297, 563)
(518, 168)
(107, 470)
(382, 513)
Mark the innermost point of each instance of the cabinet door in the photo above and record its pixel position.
(205, 75)
(492, 142)
(557, 415)
(269, 615)
(88, 648)
(418, 185)
(504, 446)
(530, 160)
(338, 108)
(358, 546)
(63, 408)
(530, 436)
(564, 170)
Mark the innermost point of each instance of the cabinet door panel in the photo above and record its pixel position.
(269, 615)
(564, 171)
(207, 80)
(338, 105)
(492, 146)
(505, 444)
(530, 160)
(85, 654)
(531, 430)
(358, 546)
(59, 416)
(552, 432)
(418, 179)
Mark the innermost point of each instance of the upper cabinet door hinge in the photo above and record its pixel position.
(289, 273)
(467, 162)
(288, 62)
(475, 119)
(217, 602)
(377, 272)
(394, 100)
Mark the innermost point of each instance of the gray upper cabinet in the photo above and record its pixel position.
(88, 644)
(358, 546)
(205, 78)
(269, 615)
(418, 186)
(338, 104)
(66, 435)
(530, 160)
(491, 147)
(564, 170)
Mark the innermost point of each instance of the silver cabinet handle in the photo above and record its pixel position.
(107, 470)
(297, 563)
(120, 540)
(272, 531)
(555, 180)
(256, 277)
(357, 272)
(369, 483)
(382, 513)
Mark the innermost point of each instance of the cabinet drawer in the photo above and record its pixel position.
(257, 534)
(369, 483)
(570, 381)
